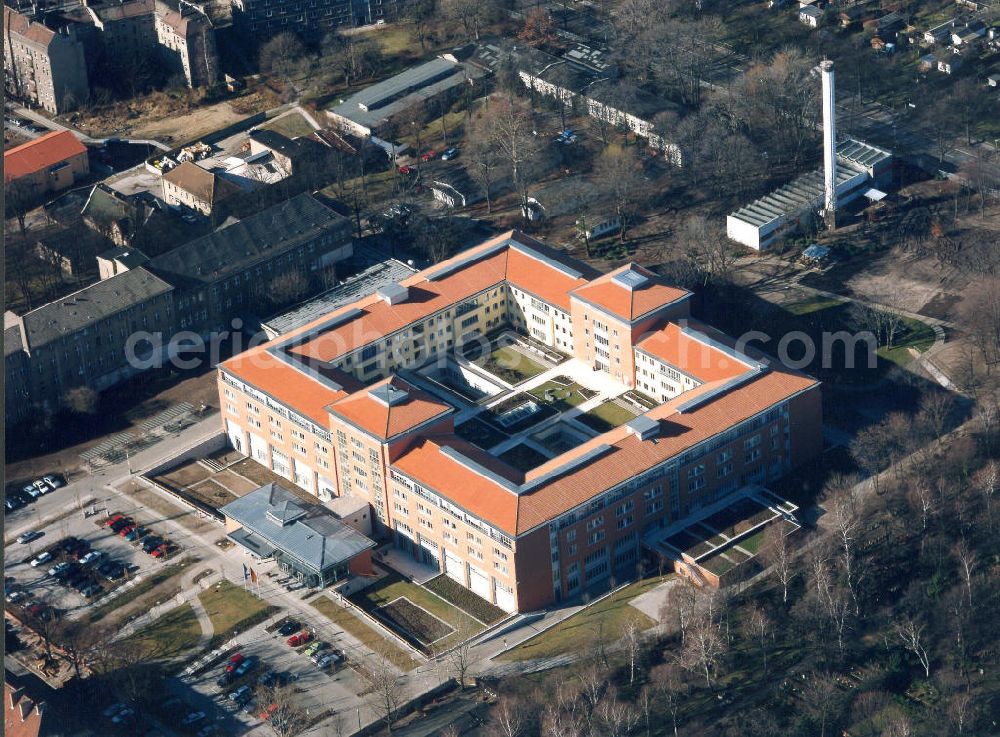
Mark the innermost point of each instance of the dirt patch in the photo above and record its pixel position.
(235, 484)
(213, 494)
(189, 474)
(192, 125)
(186, 516)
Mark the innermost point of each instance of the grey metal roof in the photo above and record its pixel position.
(91, 304)
(127, 257)
(374, 104)
(260, 237)
(860, 153)
(360, 285)
(800, 194)
(309, 533)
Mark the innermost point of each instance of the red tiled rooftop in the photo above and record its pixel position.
(365, 410)
(629, 304)
(40, 154)
(694, 357)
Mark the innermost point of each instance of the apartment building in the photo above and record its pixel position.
(199, 189)
(200, 287)
(338, 407)
(44, 66)
(310, 19)
(186, 40)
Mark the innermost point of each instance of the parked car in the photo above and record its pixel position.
(234, 662)
(126, 530)
(404, 169)
(241, 695)
(59, 568)
(288, 628)
(13, 502)
(326, 661)
(315, 647)
(161, 550)
(69, 543)
(92, 557)
(54, 481)
(112, 519)
(300, 639)
(28, 536)
(135, 533)
(14, 596)
(151, 543)
(225, 679)
(92, 590)
(32, 491)
(193, 718)
(117, 525)
(41, 559)
(43, 488)
(429, 155)
(246, 666)
(268, 712)
(450, 154)
(113, 709)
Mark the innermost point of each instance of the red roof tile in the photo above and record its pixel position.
(367, 410)
(694, 357)
(40, 154)
(629, 304)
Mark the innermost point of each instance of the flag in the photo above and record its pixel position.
(253, 576)
(246, 573)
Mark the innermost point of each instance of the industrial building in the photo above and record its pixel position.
(850, 170)
(365, 402)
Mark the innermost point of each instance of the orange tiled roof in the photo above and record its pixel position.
(478, 495)
(376, 411)
(40, 154)
(629, 304)
(23, 26)
(692, 356)
(289, 386)
(427, 296)
(22, 717)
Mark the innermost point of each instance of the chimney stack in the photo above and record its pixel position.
(829, 145)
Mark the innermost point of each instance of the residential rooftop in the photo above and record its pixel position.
(40, 154)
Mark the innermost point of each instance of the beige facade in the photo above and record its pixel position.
(42, 66)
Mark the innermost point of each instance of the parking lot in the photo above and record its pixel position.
(316, 690)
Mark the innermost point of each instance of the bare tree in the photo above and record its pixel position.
(846, 518)
(508, 718)
(679, 603)
(484, 158)
(386, 687)
(776, 553)
(821, 697)
(631, 642)
(82, 400)
(911, 634)
(921, 498)
(708, 249)
(282, 55)
(757, 626)
(511, 128)
(961, 710)
(618, 174)
(459, 658)
(593, 684)
(702, 649)
(987, 480)
(287, 718)
(967, 562)
(670, 691)
(618, 717)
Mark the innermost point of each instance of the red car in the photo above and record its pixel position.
(126, 530)
(300, 639)
(404, 169)
(429, 156)
(268, 712)
(234, 662)
(161, 551)
(111, 520)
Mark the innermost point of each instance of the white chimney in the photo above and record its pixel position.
(829, 144)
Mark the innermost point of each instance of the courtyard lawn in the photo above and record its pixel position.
(174, 633)
(466, 600)
(292, 125)
(233, 610)
(523, 457)
(606, 416)
(917, 335)
(511, 365)
(363, 633)
(559, 396)
(392, 588)
(606, 619)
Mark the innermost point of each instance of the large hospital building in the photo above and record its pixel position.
(499, 475)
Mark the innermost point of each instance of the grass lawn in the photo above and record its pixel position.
(292, 125)
(511, 365)
(394, 586)
(560, 397)
(522, 457)
(147, 585)
(812, 305)
(917, 335)
(608, 617)
(466, 600)
(365, 634)
(172, 634)
(233, 610)
(606, 416)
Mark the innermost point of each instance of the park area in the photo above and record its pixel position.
(604, 620)
(505, 361)
(607, 416)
